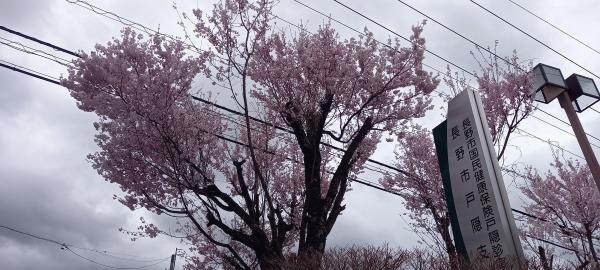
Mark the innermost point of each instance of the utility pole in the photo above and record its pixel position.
(576, 90)
(172, 267)
(582, 139)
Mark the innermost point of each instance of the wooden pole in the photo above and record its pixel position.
(172, 266)
(582, 139)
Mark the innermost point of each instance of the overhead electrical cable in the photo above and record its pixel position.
(129, 23)
(352, 29)
(114, 267)
(535, 39)
(28, 71)
(567, 123)
(4, 28)
(26, 49)
(554, 26)
(405, 38)
(548, 142)
(393, 32)
(227, 109)
(113, 16)
(117, 18)
(562, 129)
(68, 247)
(362, 182)
(366, 183)
(458, 34)
(116, 255)
(441, 73)
(289, 131)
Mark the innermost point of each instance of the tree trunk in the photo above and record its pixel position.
(269, 260)
(450, 248)
(588, 236)
(546, 265)
(269, 264)
(583, 265)
(316, 238)
(312, 245)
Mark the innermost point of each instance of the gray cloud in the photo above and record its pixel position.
(48, 188)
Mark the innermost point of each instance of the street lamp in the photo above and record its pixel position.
(582, 91)
(548, 83)
(575, 94)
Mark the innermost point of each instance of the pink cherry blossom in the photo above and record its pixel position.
(246, 194)
(569, 202)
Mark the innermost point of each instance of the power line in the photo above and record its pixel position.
(363, 182)
(445, 75)
(266, 123)
(127, 22)
(539, 41)
(112, 254)
(113, 16)
(548, 142)
(567, 123)
(385, 165)
(263, 122)
(551, 243)
(359, 33)
(236, 122)
(34, 236)
(68, 247)
(348, 27)
(103, 252)
(3, 28)
(554, 26)
(367, 183)
(561, 129)
(26, 49)
(289, 131)
(451, 63)
(458, 34)
(404, 38)
(446, 27)
(534, 38)
(370, 184)
(253, 118)
(115, 267)
(29, 72)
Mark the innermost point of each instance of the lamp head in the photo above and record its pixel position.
(548, 83)
(582, 91)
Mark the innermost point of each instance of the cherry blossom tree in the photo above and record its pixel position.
(344, 92)
(245, 194)
(422, 191)
(568, 203)
(503, 86)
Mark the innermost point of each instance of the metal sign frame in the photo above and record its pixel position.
(470, 171)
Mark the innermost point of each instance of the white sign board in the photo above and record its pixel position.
(482, 208)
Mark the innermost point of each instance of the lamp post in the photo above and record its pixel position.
(575, 94)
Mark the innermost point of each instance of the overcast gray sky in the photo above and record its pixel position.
(49, 189)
